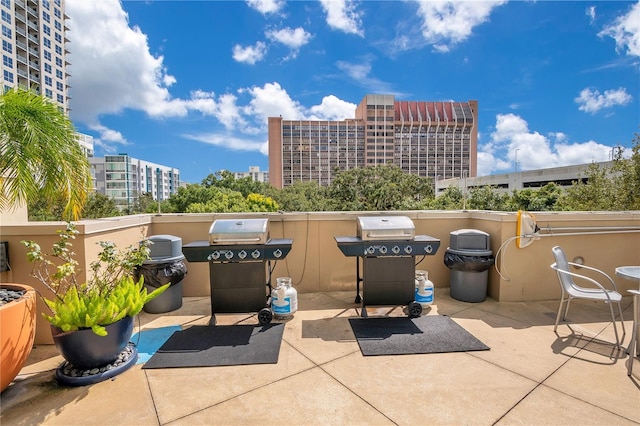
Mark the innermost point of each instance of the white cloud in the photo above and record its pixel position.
(250, 54)
(625, 30)
(359, 73)
(447, 23)
(266, 6)
(513, 140)
(592, 101)
(332, 108)
(294, 39)
(342, 15)
(112, 68)
(591, 13)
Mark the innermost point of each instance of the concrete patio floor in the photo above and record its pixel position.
(529, 376)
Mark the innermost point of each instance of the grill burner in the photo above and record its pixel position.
(239, 253)
(387, 246)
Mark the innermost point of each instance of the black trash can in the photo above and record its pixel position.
(165, 266)
(469, 259)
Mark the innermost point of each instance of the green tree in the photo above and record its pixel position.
(450, 199)
(226, 179)
(377, 188)
(300, 197)
(39, 154)
(99, 206)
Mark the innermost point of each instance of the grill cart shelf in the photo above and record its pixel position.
(239, 266)
(387, 247)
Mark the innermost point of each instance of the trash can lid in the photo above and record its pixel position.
(163, 259)
(470, 252)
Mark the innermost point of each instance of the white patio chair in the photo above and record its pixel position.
(570, 290)
(634, 346)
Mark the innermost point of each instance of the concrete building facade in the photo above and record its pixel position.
(430, 139)
(507, 182)
(34, 53)
(125, 178)
(254, 173)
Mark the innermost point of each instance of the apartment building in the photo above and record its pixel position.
(437, 140)
(125, 179)
(34, 53)
(254, 173)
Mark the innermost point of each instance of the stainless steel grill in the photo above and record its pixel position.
(239, 231)
(239, 253)
(387, 247)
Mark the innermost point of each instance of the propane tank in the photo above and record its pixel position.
(284, 298)
(424, 289)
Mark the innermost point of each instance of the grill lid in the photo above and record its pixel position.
(239, 231)
(372, 228)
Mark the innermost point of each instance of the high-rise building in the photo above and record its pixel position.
(125, 179)
(34, 54)
(437, 140)
(254, 173)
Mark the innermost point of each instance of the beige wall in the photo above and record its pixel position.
(315, 263)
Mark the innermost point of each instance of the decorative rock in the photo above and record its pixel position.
(7, 295)
(68, 375)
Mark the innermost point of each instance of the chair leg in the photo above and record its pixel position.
(555, 328)
(633, 346)
(566, 311)
(615, 327)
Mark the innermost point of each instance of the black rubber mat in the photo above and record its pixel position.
(206, 346)
(422, 335)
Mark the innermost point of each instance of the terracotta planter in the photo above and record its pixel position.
(86, 350)
(17, 332)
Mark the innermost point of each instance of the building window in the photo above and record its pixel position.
(46, 4)
(8, 76)
(46, 29)
(58, 38)
(47, 68)
(58, 25)
(59, 86)
(7, 47)
(47, 43)
(6, 31)
(57, 13)
(6, 3)
(46, 17)
(47, 80)
(59, 62)
(59, 74)
(7, 61)
(6, 16)
(60, 98)
(47, 55)
(58, 50)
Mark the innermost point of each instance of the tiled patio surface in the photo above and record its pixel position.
(529, 376)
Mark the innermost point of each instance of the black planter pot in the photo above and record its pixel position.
(86, 350)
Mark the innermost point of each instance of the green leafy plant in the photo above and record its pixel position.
(109, 294)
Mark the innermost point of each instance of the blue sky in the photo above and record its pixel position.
(190, 84)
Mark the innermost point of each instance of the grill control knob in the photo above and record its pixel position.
(255, 254)
(428, 249)
(408, 249)
(242, 254)
(370, 249)
(215, 255)
(277, 254)
(395, 249)
(228, 254)
(383, 249)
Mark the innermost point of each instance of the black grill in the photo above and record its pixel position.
(240, 255)
(388, 263)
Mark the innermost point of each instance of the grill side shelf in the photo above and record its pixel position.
(201, 251)
(421, 245)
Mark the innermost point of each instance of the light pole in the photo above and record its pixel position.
(517, 149)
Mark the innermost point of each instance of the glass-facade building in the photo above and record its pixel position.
(125, 179)
(34, 53)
